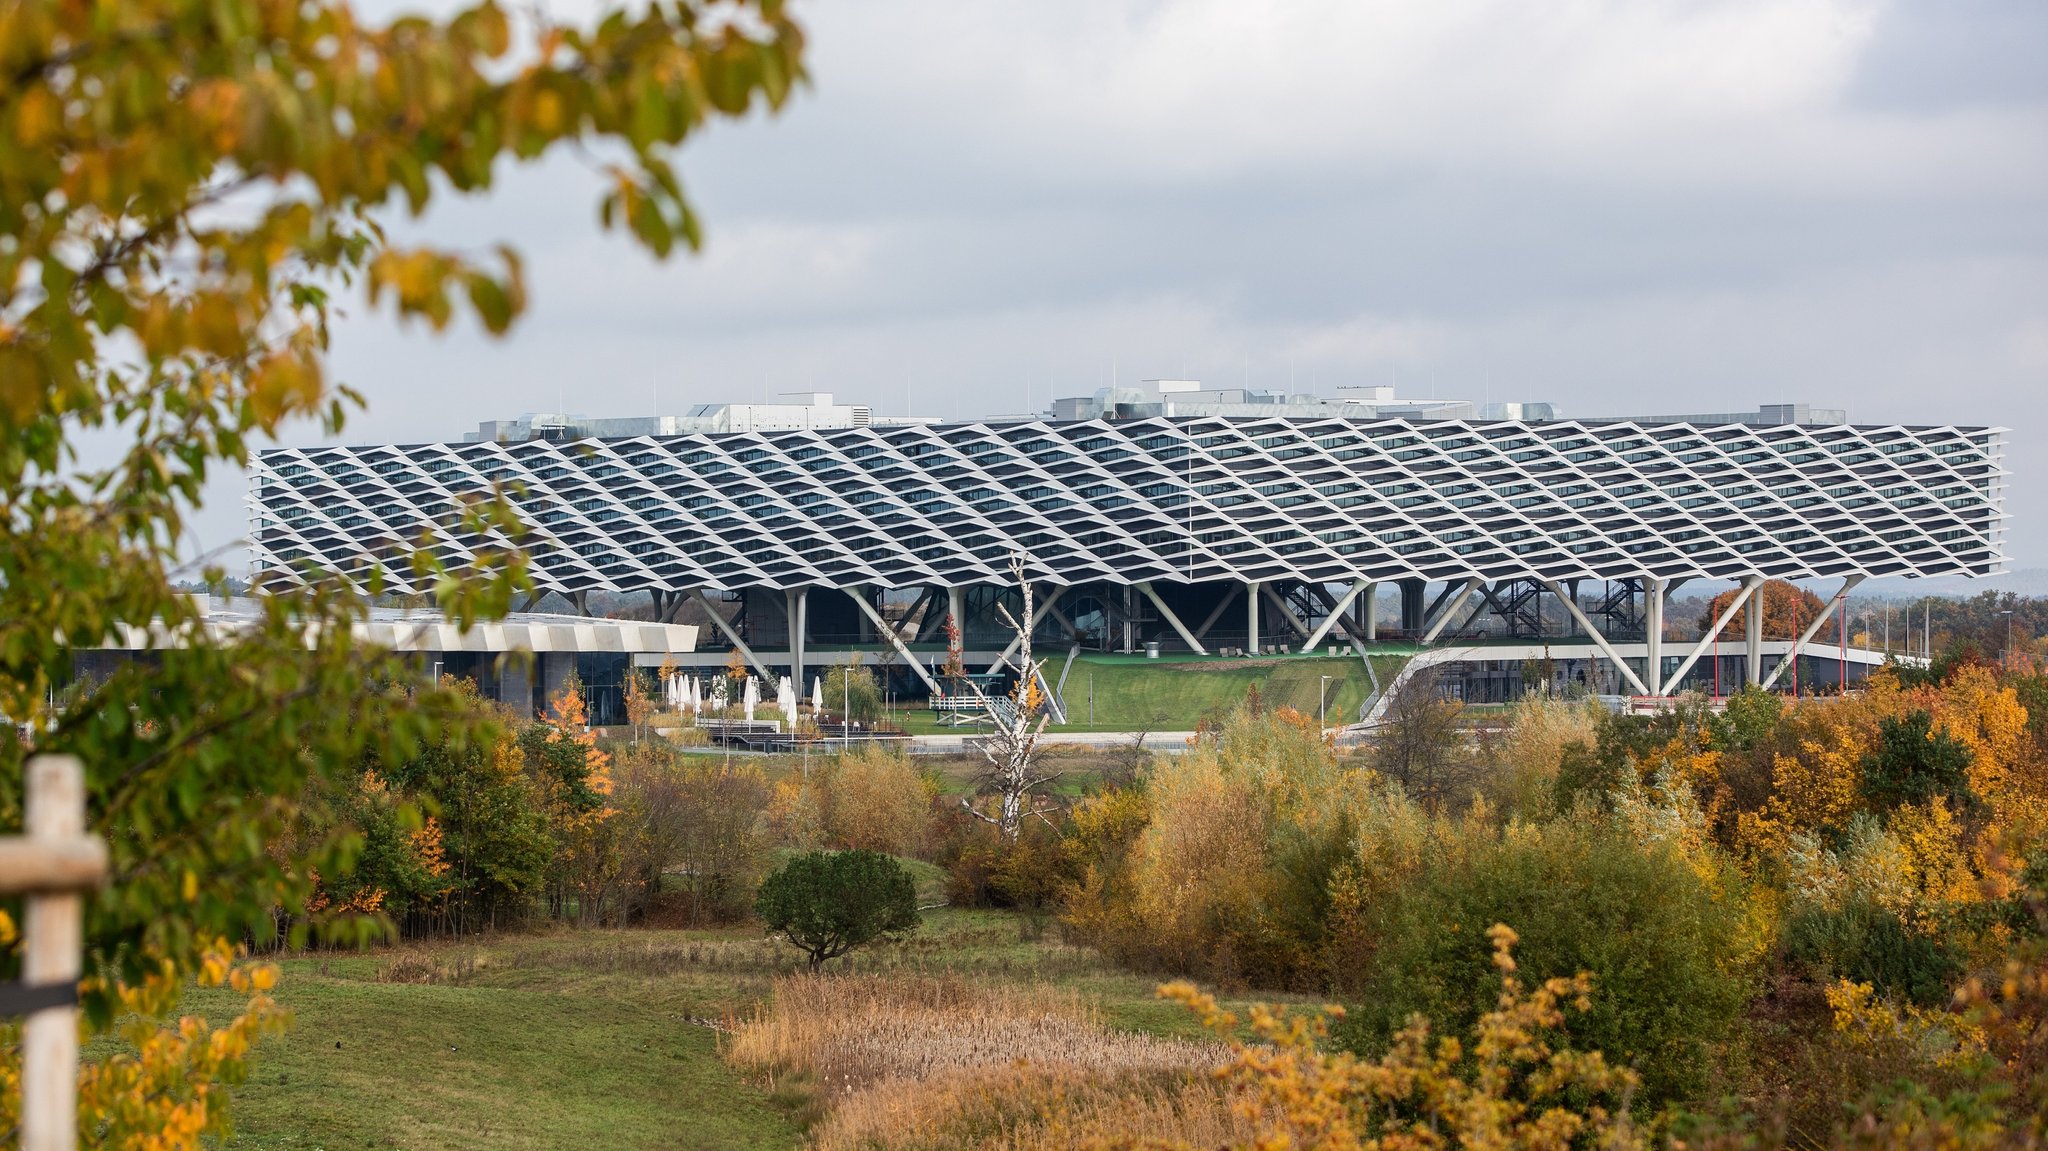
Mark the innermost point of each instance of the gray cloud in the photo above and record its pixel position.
(1627, 205)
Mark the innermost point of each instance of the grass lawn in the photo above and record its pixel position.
(589, 1038)
(1133, 694)
(508, 1058)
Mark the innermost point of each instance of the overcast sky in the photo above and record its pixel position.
(1620, 206)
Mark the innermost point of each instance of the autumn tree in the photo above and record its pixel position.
(1418, 742)
(641, 702)
(1787, 609)
(572, 776)
(188, 191)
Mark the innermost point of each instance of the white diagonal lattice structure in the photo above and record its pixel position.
(1175, 500)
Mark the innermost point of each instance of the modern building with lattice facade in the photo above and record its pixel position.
(1149, 513)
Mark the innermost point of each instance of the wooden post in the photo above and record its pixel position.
(51, 865)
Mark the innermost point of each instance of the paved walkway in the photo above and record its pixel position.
(950, 744)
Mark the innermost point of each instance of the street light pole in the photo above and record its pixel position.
(2005, 659)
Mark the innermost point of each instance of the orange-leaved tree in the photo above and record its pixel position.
(1787, 609)
(573, 777)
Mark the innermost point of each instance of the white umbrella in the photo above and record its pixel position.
(752, 698)
(817, 694)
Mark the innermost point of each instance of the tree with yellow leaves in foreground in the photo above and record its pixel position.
(187, 188)
(1516, 1090)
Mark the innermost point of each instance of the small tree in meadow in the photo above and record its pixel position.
(826, 903)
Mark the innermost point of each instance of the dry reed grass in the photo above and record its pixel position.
(910, 1062)
(1035, 1109)
(413, 965)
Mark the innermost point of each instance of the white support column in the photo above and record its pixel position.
(1130, 619)
(1753, 640)
(1251, 616)
(1812, 630)
(1599, 640)
(1336, 612)
(731, 636)
(1281, 610)
(860, 600)
(1372, 611)
(1450, 608)
(1166, 613)
(1653, 632)
(1742, 597)
(795, 607)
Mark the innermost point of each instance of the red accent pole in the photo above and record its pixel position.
(1717, 664)
(1842, 634)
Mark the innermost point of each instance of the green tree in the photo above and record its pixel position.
(186, 189)
(494, 836)
(829, 902)
(1912, 763)
(855, 689)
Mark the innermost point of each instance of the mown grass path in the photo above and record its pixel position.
(593, 1039)
(484, 1065)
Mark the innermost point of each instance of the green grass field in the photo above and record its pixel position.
(587, 1039)
(1131, 693)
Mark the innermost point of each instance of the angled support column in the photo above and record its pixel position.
(1166, 613)
(1753, 640)
(1215, 613)
(1742, 597)
(1600, 641)
(731, 636)
(795, 606)
(1059, 617)
(1336, 612)
(858, 594)
(1812, 630)
(1448, 607)
(912, 624)
(1037, 615)
(1285, 613)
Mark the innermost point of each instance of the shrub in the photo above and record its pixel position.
(829, 902)
(1639, 919)
(697, 820)
(1516, 1087)
(874, 799)
(1866, 943)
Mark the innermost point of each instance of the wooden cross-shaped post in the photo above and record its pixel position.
(51, 864)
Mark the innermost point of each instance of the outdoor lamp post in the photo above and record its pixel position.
(2005, 660)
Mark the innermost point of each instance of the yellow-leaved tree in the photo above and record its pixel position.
(188, 191)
